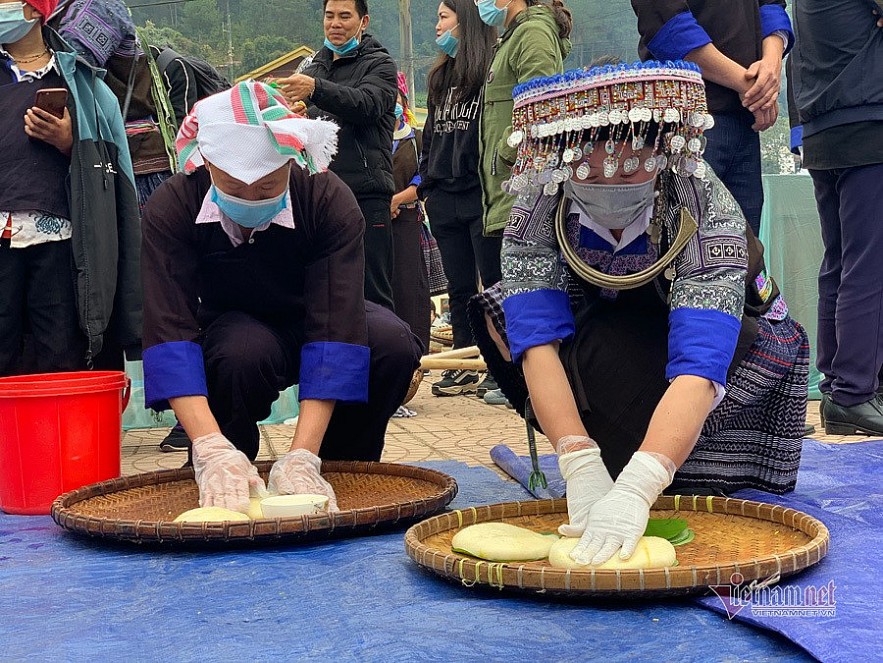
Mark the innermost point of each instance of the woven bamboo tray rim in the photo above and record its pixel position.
(410, 493)
(442, 335)
(809, 539)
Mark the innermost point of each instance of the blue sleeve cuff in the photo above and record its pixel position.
(536, 318)
(796, 139)
(171, 370)
(701, 342)
(334, 372)
(774, 18)
(416, 181)
(680, 35)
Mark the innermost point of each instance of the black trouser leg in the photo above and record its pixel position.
(38, 287)
(357, 430)
(378, 251)
(456, 223)
(247, 364)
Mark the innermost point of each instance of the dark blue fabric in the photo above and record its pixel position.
(334, 371)
(589, 239)
(701, 342)
(680, 35)
(536, 318)
(839, 485)
(520, 469)
(773, 18)
(733, 152)
(65, 598)
(171, 370)
(796, 139)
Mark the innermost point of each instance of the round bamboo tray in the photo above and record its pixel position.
(416, 379)
(141, 508)
(754, 540)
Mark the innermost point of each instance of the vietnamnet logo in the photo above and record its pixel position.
(765, 598)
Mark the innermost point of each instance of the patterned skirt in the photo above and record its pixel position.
(616, 367)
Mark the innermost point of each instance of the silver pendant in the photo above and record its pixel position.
(567, 156)
(550, 189)
(650, 164)
(515, 138)
(583, 171)
(611, 165)
(631, 165)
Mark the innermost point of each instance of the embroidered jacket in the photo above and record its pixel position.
(707, 295)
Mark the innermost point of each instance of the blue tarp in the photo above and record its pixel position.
(63, 598)
(840, 485)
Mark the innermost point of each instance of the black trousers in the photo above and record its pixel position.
(456, 224)
(378, 251)
(37, 299)
(248, 363)
(850, 333)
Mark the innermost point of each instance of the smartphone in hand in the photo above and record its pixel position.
(52, 100)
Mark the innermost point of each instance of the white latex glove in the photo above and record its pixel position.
(617, 521)
(225, 476)
(587, 480)
(298, 473)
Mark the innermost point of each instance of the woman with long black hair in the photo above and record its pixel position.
(450, 186)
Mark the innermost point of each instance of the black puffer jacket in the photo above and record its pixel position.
(358, 92)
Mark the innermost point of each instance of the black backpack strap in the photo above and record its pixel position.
(166, 56)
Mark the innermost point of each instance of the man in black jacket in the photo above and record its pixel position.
(352, 81)
(739, 46)
(838, 91)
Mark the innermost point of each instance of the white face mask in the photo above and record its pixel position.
(613, 206)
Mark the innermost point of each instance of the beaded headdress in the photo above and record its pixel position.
(558, 119)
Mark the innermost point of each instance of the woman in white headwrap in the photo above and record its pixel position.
(253, 281)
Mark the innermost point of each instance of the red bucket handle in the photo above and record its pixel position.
(127, 392)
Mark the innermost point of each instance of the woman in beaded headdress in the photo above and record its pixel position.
(638, 314)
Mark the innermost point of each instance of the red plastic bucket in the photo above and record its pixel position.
(58, 432)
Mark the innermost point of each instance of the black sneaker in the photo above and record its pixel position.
(456, 382)
(176, 440)
(486, 385)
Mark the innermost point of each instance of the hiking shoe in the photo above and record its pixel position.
(456, 382)
(496, 397)
(176, 440)
(486, 385)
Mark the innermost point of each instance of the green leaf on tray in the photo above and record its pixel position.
(666, 528)
(683, 538)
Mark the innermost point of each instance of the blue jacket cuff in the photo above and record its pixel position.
(680, 35)
(536, 318)
(416, 180)
(701, 342)
(334, 371)
(171, 370)
(796, 139)
(773, 18)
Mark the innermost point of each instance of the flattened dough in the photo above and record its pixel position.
(652, 552)
(210, 514)
(501, 542)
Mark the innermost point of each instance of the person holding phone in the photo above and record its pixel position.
(69, 255)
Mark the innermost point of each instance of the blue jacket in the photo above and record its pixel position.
(837, 63)
(106, 238)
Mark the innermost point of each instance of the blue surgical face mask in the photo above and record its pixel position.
(347, 47)
(448, 43)
(492, 15)
(248, 213)
(13, 24)
(399, 111)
